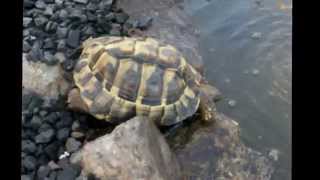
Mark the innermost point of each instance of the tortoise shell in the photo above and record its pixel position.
(122, 77)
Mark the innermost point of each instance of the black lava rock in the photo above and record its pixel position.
(62, 32)
(45, 137)
(73, 38)
(63, 134)
(70, 172)
(72, 145)
(43, 172)
(29, 163)
(52, 150)
(28, 146)
(35, 122)
(51, 118)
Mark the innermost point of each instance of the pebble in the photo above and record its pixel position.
(256, 35)
(75, 126)
(232, 103)
(43, 172)
(44, 127)
(28, 146)
(51, 118)
(35, 122)
(25, 177)
(72, 145)
(51, 27)
(63, 134)
(52, 150)
(81, 1)
(63, 14)
(73, 38)
(48, 11)
(26, 21)
(77, 135)
(40, 4)
(60, 57)
(53, 166)
(70, 172)
(40, 21)
(61, 45)
(45, 136)
(29, 163)
(62, 32)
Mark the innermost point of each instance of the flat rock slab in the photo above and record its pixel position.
(134, 150)
(215, 151)
(46, 81)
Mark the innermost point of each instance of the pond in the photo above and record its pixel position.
(247, 49)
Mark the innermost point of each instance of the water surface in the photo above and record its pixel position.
(246, 47)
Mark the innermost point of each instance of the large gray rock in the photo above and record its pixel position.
(170, 24)
(215, 151)
(46, 81)
(134, 150)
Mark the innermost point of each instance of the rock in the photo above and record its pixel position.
(43, 113)
(35, 122)
(81, 1)
(51, 27)
(135, 143)
(44, 127)
(73, 38)
(106, 4)
(26, 21)
(46, 81)
(63, 14)
(29, 163)
(62, 32)
(61, 45)
(51, 118)
(40, 21)
(28, 146)
(43, 172)
(60, 57)
(115, 30)
(70, 172)
(121, 17)
(58, 2)
(40, 4)
(52, 176)
(77, 135)
(49, 11)
(75, 126)
(216, 151)
(26, 177)
(26, 46)
(72, 145)
(52, 150)
(145, 23)
(49, 58)
(36, 52)
(49, 1)
(45, 136)
(63, 134)
(28, 4)
(53, 166)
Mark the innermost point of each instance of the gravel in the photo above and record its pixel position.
(45, 137)
(72, 145)
(73, 38)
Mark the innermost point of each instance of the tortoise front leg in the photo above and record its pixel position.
(207, 105)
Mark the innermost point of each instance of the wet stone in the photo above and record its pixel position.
(45, 137)
(73, 38)
(72, 145)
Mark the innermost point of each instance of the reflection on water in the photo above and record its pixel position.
(246, 46)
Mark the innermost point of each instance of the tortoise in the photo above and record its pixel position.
(117, 78)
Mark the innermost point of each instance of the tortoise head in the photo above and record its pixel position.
(75, 101)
